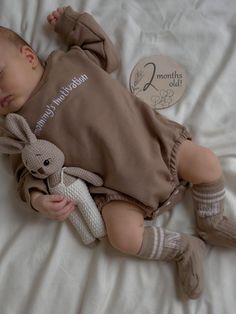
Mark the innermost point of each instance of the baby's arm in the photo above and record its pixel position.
(83, 31)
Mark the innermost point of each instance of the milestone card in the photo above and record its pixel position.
(158, 80)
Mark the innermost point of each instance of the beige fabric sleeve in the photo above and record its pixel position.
(82, 30)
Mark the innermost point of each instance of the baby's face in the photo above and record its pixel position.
(20, 72)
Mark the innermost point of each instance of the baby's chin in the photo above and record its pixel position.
(14, 105)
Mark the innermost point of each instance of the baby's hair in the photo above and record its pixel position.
(13, 37)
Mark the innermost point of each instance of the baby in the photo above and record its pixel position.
(144, 159)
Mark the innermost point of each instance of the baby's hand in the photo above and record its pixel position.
(55, 207)
(55, 15)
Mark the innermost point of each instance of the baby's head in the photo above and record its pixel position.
(20, 71)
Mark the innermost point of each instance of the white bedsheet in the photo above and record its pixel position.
(44, 269)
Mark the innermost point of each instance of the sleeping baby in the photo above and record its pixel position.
(145, 160)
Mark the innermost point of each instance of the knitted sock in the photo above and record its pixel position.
(212, 226)
(186, 251)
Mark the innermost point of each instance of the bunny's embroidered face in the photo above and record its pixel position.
(42, 159)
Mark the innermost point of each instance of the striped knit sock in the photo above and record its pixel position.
(186, 251)
(213, 227)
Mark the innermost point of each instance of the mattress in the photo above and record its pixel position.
(44, 267)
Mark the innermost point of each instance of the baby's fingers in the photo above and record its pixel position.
(56, 198)
(51, 19)
(55, 15)
(58, 207)
(61, 10)
(64, 213)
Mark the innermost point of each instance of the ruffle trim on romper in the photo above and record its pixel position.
(185, 135)
(102, 200)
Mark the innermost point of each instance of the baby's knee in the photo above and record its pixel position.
(198, 164)
(126, 241)
(125, 225)
(212, 170)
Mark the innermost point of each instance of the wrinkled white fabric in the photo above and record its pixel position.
(44, 268)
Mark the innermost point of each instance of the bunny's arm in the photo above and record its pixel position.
(85, 175)
(26, 182)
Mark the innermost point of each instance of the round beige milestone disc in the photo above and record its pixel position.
(158, 80)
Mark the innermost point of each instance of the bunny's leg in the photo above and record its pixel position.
(90, 212)
(80, 225)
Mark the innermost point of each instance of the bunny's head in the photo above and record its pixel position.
(40, 157)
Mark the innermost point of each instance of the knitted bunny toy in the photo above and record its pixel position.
(44, 160)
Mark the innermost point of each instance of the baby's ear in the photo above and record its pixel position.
(19, 128)
(29, 54)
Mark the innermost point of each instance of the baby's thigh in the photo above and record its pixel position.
(197, 164)
(124, 223)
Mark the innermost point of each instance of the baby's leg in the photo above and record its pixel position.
(127, 233)
(201, 167)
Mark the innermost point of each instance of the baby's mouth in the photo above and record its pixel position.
(5, 101)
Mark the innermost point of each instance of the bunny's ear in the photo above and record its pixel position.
(17, 133)
(9, 145)
(19, 128)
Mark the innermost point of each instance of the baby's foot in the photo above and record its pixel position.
(190, 266)
(218, 230)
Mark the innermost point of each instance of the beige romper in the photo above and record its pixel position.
(100, 126)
